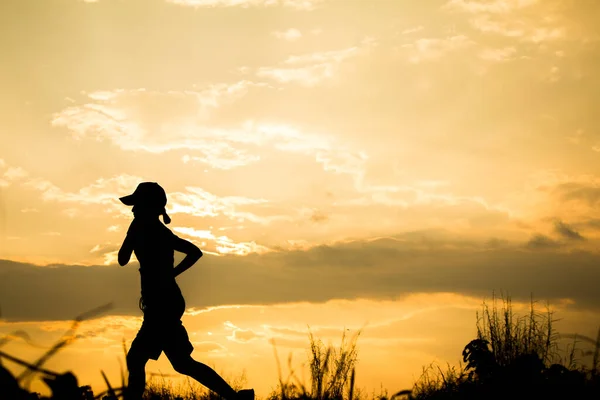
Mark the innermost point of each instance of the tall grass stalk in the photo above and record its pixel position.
(332, 372)
(511, 336)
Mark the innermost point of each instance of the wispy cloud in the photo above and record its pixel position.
(222, 155)
(160, 122)
(15, 173)
(541, 242)
(198, 202)
(525, 31)
(517, 19)
(228, 246)
(124, 116)
(109, 252)
(10, 174)
(289, 35)
(156, 122)
(428, 49)
(104, 191)
(222, 244)
(306, 5)
(566, 231)
(498, 55)
(488, 6)
(194, 201)
(412, 30)
(239, 334)
(313, 68)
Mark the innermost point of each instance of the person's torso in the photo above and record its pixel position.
(153, 248)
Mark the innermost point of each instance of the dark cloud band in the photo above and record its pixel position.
(381, 269)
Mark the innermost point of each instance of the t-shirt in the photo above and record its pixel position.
(153, 245)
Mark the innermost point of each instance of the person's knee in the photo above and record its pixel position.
(135, 361)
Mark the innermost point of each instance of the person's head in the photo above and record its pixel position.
(148, 200)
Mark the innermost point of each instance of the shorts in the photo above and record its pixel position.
(156, 336)
(162, 329)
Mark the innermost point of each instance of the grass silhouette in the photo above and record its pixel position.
(332, 372)
(512, 357)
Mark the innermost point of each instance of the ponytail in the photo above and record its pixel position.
(166, 218)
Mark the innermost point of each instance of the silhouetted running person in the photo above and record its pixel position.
(162, 302)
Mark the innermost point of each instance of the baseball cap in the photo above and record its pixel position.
(148, 194)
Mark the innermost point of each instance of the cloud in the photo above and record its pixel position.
(10, 174)
(241, 335)
(198, 202)
(498, 55)
(593, 223)
(313, 68)
(587, 193)
(518, 29)
(160, 122)
(192, 201)
(519, 19)
(222, 243)
(207, 347)
(119, 105)
(155, 122)
(318, 216)
(221, 155)
(540, 241)
(71, 212)
(385, 268)
(15, 173)
(553, 194)
(567, 231)
(306, 5)
(289, 35)
(428, 49)
(412, 30)
(488, 6)
(228, 246)
(538, 22)
(104, 191)
(576, 136)
(109, 252)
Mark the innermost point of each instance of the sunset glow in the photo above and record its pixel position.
(383, 165)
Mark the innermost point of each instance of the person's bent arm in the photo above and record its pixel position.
(125, 251)
(192, 254)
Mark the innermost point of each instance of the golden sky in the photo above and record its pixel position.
(339, 161)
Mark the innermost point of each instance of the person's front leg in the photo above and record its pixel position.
(136, 365)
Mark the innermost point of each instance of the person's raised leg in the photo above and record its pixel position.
(179, 349)
(186, 365)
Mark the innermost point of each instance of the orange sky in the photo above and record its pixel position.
(339, 161)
